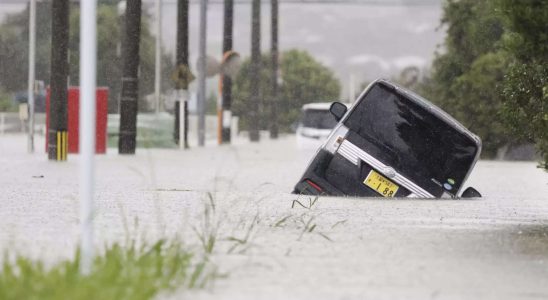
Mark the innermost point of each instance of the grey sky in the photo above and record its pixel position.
(367, 40)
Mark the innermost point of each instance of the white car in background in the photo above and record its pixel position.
(315, 125)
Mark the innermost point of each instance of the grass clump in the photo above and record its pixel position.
(120, 273)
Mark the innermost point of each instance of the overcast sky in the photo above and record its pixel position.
(369, 41)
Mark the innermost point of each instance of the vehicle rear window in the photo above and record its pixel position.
(318, 118)
(420, 145)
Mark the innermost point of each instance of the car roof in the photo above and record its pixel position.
(319, 105)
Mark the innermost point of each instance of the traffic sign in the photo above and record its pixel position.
(182, 77)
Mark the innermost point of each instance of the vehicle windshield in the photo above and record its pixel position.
(420, 145)
(318, 118)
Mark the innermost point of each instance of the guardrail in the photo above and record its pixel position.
(11, 123)
(153, 130)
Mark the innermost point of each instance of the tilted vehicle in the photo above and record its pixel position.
(392, 143)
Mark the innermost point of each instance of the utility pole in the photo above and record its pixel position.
(158, 63)
(202, 73)
(255, 69)
(182, 76)
(130, 79)
(274, 54)
(88, 75)
(225, 116)
(351, 88)
(32, 69)
(57, 132)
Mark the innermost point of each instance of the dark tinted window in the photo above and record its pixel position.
(415, 142)
(317, 118)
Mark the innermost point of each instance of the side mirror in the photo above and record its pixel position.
(338, 110)
(470, 192)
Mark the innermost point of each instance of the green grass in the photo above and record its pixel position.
(120, 273)
(148, 138)
(152, 131)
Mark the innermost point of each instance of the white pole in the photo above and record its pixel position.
(158, 66)
(201, 73)
(32, 51)
(88, 59)
(352, 88)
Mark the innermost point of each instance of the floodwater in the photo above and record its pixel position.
(295, 247)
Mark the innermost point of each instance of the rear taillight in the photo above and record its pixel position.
(314, 185)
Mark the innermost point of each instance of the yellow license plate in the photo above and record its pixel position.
(380, 184)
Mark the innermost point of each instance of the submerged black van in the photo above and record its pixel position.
(392, 143)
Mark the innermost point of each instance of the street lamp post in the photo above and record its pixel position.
(182, 76)
(225, 114)
(255, 69)
(274, 58)
(32, 69)
(202, 73)
(88, 71)
(158, 63)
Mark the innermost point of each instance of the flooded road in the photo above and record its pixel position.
(274, 245)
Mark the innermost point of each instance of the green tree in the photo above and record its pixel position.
(478, 103)
(14, 51)
(464, 78)
(493, 75)
(525, 85)
(14, 36)
(304, 80)
(110, 59)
